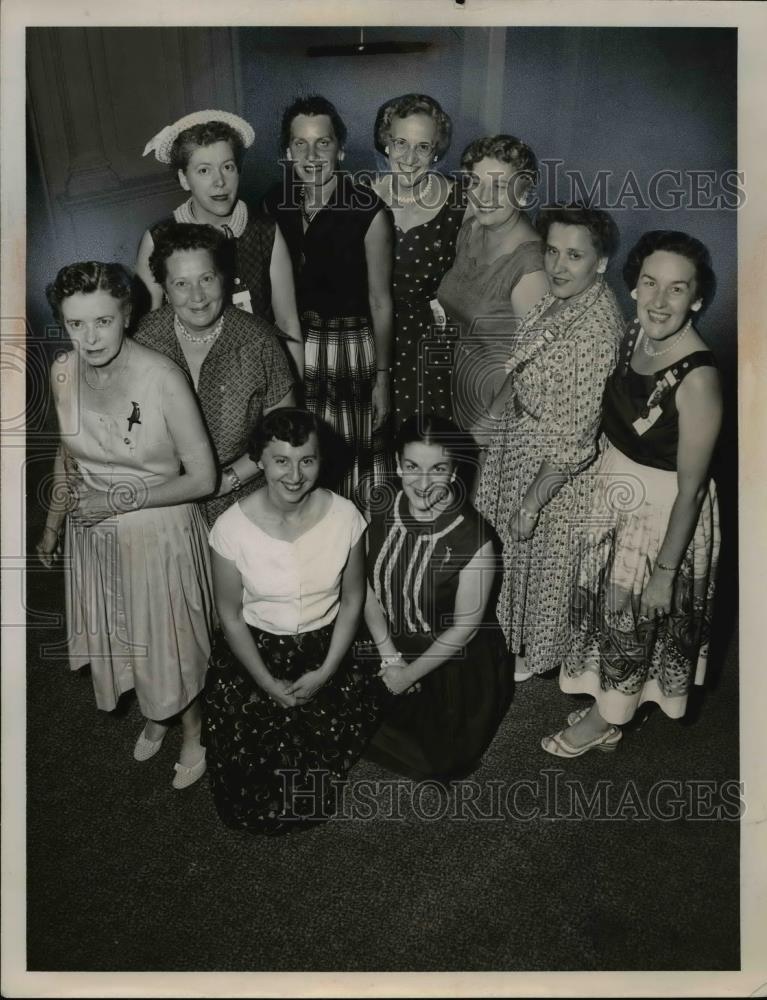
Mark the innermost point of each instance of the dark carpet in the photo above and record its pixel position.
(126, 874)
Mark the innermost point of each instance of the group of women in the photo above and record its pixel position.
(546, 503)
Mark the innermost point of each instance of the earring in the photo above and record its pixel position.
(633, 294)
(386, 150)
(696, 306)
(602, 267)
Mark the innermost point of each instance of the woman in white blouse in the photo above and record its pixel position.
(286, 712)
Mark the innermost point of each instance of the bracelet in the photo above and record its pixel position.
(526, 513)
(386, 661)
(668, 569)
(387, 370)
(56, 531)
(234, 480)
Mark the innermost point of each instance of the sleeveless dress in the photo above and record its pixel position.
(619, 657)
(477, 300)
(273, 769)
(250, 248)
(138, 594)
(562, 363)
(422, 351)
(330, 268)
(443, 728)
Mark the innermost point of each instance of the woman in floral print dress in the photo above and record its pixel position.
(541, 430)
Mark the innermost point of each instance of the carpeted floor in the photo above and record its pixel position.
(126, 874)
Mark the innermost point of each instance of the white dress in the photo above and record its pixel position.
(138, 595)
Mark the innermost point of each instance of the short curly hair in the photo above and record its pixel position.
(286, 423)
(311, 104)
(507, 149)
(86, 277)
(404, 107)
(201, 135)
(188, 236)
(673, 241)
(601, 226)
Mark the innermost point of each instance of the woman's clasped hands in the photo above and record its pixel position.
(289, 694)
(395, 674)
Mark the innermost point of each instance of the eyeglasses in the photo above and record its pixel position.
(423, 150)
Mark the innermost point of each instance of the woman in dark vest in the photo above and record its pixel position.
(205, 151)
(340, 240)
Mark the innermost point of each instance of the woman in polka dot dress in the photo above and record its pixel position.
(413, 132)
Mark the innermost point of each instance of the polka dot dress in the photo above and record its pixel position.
(423, 354)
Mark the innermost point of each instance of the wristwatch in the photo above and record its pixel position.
(232, 478)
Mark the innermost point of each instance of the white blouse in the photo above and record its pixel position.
(290, 587)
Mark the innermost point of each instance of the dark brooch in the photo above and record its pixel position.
(135, 416)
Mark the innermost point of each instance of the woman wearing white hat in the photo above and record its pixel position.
(205, 150)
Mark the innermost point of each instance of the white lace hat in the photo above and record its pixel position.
(161, 143)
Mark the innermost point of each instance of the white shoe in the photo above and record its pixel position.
(522, 675)
(144, 748)
(186, 776)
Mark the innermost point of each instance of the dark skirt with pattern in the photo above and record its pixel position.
(274, 770)
(339, 376)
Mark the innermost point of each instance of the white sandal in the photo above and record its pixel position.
(559, 746)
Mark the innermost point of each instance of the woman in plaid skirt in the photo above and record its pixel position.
(340, 242)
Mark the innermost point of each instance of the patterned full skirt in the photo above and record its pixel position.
(275, 770)
(618, 656)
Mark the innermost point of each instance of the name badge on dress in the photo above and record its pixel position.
(242, 300)
(653, 410)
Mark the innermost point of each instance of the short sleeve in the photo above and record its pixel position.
(358, 527)
(279, 380)
(223, 536)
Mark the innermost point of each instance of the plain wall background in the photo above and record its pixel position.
(633, 99)
(595, 99)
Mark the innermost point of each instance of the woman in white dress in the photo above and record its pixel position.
(139, 602)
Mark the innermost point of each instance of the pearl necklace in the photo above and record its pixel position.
(182, 331)
(409, 199)
(238, 220)
(679, 338)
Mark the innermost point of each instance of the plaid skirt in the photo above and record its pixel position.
(339, 376)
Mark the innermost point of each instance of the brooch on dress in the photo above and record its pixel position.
(652, 408)
(135, 416)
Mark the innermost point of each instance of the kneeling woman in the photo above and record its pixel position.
(432, 572)
(642, 611)
(286, 713)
